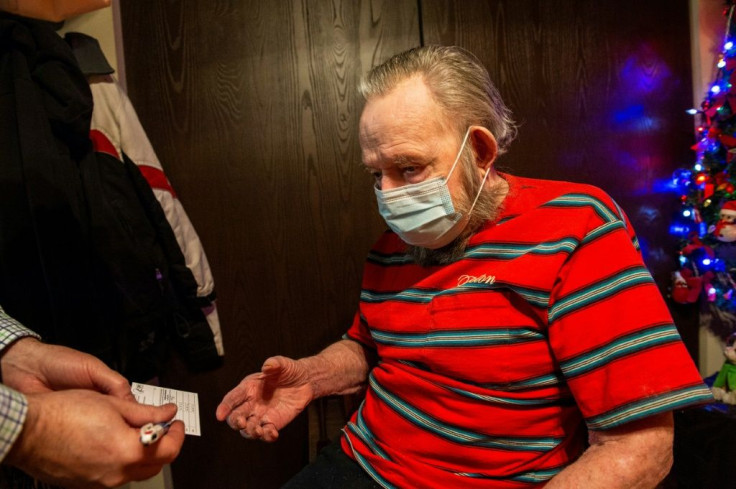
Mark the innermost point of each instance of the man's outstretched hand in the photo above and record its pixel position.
(266, 401)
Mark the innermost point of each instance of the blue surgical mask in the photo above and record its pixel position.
(422, 214)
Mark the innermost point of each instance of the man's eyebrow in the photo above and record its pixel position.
(400, 160)
(412, 159)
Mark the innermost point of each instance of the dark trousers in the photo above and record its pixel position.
(332, 469)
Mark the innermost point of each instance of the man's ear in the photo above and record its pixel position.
(484, 145)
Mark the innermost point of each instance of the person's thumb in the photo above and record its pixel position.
(274, 365)
(136, 414)
(284, 370)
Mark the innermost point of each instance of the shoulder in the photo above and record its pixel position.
(531, 193)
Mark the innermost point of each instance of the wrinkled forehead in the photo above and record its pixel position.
(390, 138)
(408, 106)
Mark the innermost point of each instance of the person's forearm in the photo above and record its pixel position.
(341, 368)
(637, 459)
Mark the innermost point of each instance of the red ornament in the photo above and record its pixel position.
(727, 141)
(713, 133)
(708, 191)
(718, 102)
(696, 217)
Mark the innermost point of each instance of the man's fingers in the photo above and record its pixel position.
(228, 406)
(222, 412)
(236, 421)
(168, 447)
(253, 427)
(236, 418)
(110, 382)
(270, 433)
(260, 431)
(139, 414)
(237, 396)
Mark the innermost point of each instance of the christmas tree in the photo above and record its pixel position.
(707, 220)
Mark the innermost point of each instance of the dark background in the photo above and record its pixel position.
(253, 110)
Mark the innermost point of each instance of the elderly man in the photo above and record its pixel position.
(508, 331)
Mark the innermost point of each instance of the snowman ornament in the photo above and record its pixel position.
(726, 228)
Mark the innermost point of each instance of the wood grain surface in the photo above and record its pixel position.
(252, 108)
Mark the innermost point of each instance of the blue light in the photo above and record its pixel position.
(706, 262)
(683, 260)
(665, 185)
(721, 63)
(715, 89)
(687, 213)
(712, 290)
(698, 167)
(634, 117)
(636, 76)
(728, 45)
(681, 178)
(692, 111)
(679, 229)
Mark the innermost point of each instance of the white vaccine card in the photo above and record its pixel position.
(186, 402)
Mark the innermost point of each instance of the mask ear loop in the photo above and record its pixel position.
(459, 153)
(480, 190)
(485, 176)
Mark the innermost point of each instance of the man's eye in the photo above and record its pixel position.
(376, 174)
(410, 170)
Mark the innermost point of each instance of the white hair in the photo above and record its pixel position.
(459, 83)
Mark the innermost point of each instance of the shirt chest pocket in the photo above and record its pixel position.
(470, 337)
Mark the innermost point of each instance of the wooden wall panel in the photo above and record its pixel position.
(252, 108)
(600, 91)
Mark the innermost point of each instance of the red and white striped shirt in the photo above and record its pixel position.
(491, 368)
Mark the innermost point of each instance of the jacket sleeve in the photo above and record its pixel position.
(115, 117)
